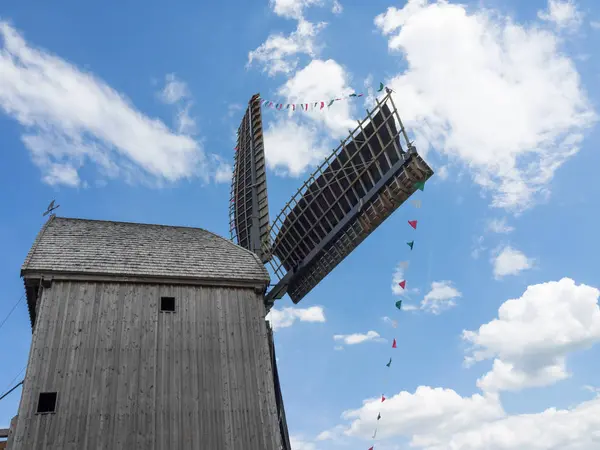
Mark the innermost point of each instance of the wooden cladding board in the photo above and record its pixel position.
(131, 377)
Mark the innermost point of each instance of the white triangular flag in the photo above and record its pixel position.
(416, 203)
(404, 264)
(395, 323)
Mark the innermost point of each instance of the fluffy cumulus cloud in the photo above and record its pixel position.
(71, 118)
(549, 321)
(296, 142)
(563, 14)
(509, 261)
(499, 97)
(358, 338)
(286, 317)
(531, 337)
(442, 296)
(279, 53)
(429, 415)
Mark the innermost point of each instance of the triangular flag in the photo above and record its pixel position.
(236, 148)
(352, 95)
(381, 86)
(404, 264)
(371, 448)
(395, 323)
(378, 416)
(322, 105)
(416, 203)
(420, 185)
(402, 284)
(360, 95)
(388, 365)
(411, 244)
(413, 223)
(382, 398)
(374, 434)
(330, 103)
(293, 107)
(399, 304)
(394, 344)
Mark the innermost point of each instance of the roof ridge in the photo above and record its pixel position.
(169, 226)
(239, 246)
(133, 223)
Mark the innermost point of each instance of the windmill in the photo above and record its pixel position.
(363, 181)
(51, 208)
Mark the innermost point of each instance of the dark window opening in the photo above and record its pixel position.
(47, 402)
(167, 304)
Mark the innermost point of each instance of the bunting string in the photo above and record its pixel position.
(306, 106)
(403, 283)
(313, 105)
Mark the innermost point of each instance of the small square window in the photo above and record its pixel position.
(167, 304)
(47, 402)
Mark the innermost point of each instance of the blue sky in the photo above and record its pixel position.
(128, 113)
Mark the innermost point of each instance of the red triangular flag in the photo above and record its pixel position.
(371, 448)
(413, 223)
(394, 344)
(382, 398)
(402, 284)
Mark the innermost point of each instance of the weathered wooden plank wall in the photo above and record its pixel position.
(131, 377)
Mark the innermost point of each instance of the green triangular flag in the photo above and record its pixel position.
(381, 86)
(399, 304)
(352, 95)
(420, 185)
(390, 363)
(378, 416)
(411, 244)
(330, 103)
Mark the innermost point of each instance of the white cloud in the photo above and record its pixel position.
(424, 414)
(532, 335)
(290, 148)
(297, 141)
(563, 14)
(441, 297)
(286, 317)
(595, 25)
(72, 118)
(223, 170)
(278, 54)
(174, 90)
(61, 174)
(479, 88)
(397, 277)
(499, 226)
(358, 338)
(510, 261)
(337, 7)
(292, 9)
(298, 443)
(441, 419)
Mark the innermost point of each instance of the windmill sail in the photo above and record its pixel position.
(360, 185)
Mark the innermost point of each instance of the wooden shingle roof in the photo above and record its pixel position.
(79, 246)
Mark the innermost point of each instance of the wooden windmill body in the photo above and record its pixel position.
(154, 337)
